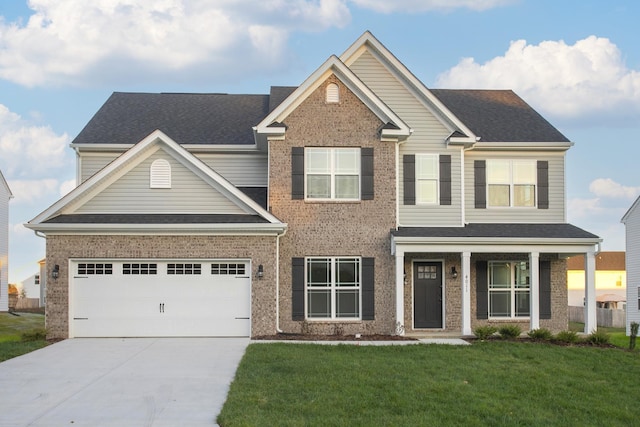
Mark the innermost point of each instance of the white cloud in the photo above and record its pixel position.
(414, 6)
(27, 150)
(606, 187)
(586, 79)
(34, 192)
(68, 41)
(67, 186)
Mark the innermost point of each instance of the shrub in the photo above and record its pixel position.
(510, 331)
(540, 334)
(598, 338)
(484, 332)
(34, 335)
(568, 337)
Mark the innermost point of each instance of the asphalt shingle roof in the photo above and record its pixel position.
(498, 116)
(502, 230)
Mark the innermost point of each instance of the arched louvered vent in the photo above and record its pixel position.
(333, 93)
(160, 174)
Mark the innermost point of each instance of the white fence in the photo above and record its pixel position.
(607, 318)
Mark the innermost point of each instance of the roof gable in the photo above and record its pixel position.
(394, 126)
(4, 184)
(128, 161)
(631, 211)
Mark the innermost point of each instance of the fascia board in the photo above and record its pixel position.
(403, 74)
(633, 207)
(198, 148)
(210, 229)
(331, 66)
(522, 146)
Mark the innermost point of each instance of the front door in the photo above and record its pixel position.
(427, 295)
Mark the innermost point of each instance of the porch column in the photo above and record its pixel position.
(399, 291)
(590, 313)
(466, 293)
(534, 293)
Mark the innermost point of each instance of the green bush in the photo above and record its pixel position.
(569, 337)
(598, 338)
(34, 335)
(484, 332)
(540, 334)
(510, 331)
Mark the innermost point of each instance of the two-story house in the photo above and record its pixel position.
(631, 221)
(5, 196)
(359, 201)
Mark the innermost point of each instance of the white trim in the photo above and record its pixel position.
(522, 146)
(167, 229)
(128, 160)
(333, 288)
(333, 65)
(465, 268)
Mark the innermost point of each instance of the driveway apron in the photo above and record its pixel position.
(120, 382)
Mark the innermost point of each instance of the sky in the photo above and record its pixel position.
(577, 62)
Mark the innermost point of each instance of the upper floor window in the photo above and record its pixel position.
(160, 174)
(511, 183)
(36, 279)
(333, 93)
(332, 173)
(427, 178)
(509, 289)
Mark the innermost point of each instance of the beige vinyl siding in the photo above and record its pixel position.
(188, 194)
(243, 170)
(556, 211)
(632, 262)
(91, 163)
(429, 136)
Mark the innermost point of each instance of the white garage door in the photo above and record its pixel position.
(160, 298)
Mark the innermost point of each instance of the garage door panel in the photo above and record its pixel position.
(162, 304)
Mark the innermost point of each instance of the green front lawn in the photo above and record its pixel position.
(20, 334)
(488, 383)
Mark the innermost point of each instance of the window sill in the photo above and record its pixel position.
(332, 321)
(509, 319)
(332, 201)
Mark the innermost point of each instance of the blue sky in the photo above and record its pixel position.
(576, 61)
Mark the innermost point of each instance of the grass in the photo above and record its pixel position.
(618, 336)
(20, 334)
(495, 383)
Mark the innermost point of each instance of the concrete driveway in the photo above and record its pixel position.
(159, 382)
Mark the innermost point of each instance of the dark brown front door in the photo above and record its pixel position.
(427, 295)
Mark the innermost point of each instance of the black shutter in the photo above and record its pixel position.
(297, 172)
(545, 290)
(297, 294)
(368, 280)
(480, 183)
(445, 179)
(366, 166)
(409, 171)
(543, 184)
(482, 290)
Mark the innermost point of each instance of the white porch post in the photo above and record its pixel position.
(399, 291)
(590, 313)
(534, 284)
(466, 293)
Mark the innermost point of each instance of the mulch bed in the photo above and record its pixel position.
(316, 337)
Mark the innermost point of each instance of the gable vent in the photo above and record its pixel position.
(333, 93)
(160, 174)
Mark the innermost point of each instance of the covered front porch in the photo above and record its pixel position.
(450, 280)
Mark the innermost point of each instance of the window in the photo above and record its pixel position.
(333, 288)
(36, 280)
(509, 289)
(184, 268)
(427, 178)
(511, 183)
(140, 268)
(95, 268)
(160, 174)
(332, 173)
(228, 268)
(333, 93)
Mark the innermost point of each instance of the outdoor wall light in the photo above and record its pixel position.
(454, 273)
(56, 272)
(260, 272)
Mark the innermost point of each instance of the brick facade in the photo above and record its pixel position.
(259, 249)
(336, 228)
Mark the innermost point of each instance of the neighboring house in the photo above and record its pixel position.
(357, 202)
(610, 279)
(631, 221)
(30, 288)
(42, 270)
(5, 196)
